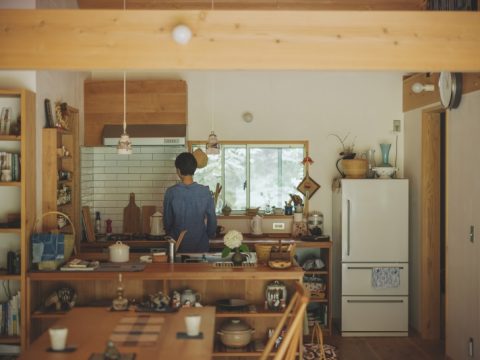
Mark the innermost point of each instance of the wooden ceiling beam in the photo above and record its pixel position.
(309, 40)
(255, 4)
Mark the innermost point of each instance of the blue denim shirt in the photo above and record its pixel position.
(190, 207)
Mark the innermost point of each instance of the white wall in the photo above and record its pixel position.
(293, 105)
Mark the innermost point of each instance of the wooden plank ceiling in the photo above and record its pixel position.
(256, 4)
(249, 39)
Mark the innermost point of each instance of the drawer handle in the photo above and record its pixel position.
(375, 301)
(367, 267)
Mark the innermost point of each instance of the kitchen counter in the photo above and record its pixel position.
(166, 271)
(215, 244)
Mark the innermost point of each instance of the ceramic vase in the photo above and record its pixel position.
(385, 154)
(237, 257)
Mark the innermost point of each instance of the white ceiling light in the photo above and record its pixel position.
(417, 88)
(181, 34)
(124, 146)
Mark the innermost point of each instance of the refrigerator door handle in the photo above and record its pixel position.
(348, 227)
(375, 301)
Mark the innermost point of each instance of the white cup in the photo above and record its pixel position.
(58, 338)
(192, 322)
(297, 217)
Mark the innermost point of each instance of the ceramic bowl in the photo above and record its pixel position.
(385, 172)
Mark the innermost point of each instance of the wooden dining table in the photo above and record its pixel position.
(89, 329)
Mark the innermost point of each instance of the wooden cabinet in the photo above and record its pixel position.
(148, 102)
(210, 282)
(17, 205)
(60, 189)
(320, 307)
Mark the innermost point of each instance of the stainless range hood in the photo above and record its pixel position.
(148, 134)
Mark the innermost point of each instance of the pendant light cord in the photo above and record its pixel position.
(124, 102)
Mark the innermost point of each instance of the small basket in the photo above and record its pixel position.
(69, 243)
(264, 251)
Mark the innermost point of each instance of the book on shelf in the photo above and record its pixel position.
(10, 316)
(80, 265)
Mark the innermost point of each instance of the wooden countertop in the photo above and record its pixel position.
(166, 271)
(89, 329)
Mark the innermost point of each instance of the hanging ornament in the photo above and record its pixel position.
(308, 186)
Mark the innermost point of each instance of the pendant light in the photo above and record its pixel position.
(213, 147)
(124, 146)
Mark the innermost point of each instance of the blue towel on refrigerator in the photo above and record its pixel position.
(47, 247)
(385, 277)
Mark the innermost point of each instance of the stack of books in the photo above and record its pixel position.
(80, 265)
(10, 316)
(10, 161)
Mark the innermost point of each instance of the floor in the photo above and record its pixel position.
(386, 348)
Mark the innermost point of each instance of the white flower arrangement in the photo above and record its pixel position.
(233, 240)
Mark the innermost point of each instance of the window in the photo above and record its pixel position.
(253, 175)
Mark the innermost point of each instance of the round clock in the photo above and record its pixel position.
(450, 88)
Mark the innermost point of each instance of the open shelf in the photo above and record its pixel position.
(10, 138)
(246, 314)
(10, 230)
(10, 183)
(9, 339)
(5, 276)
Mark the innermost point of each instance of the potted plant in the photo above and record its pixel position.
(233, 242)
(352, 167)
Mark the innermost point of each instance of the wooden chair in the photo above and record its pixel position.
(292, 319)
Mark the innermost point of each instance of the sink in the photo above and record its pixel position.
(208, 257)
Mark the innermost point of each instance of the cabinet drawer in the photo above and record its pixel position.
(357, 279)
(374, 313)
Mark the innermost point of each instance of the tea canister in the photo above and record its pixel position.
(276, 296)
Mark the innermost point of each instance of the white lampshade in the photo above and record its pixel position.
(181, 34)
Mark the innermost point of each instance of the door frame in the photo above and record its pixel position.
(430, 324)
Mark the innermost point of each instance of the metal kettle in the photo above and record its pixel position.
(156, 224)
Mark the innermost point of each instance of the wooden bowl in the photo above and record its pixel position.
(252, 211)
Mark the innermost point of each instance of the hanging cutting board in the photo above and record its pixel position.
(131, 217)
(147, 211)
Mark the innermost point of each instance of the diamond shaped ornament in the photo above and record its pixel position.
(308, 186)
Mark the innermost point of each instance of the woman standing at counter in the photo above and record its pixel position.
(189, 206)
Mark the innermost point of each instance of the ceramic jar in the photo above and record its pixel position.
(119, 252)
(235, 333)
(189, 297)
(276, 296)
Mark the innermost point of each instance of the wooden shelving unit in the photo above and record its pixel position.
(24, 105)
(53, 163)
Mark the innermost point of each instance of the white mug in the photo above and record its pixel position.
(192, 322)
(58, 338)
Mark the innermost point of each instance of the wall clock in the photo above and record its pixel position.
(450, 88)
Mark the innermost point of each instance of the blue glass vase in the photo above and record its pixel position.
(385, 154)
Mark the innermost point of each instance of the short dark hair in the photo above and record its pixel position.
(186, 163)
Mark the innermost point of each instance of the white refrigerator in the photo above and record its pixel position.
(372, 230)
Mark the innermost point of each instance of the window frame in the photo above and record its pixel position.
(259, 143)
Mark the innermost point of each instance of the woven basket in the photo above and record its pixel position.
(263, 251)
(69, 242)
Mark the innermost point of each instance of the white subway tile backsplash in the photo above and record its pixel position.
(141, 156)
(102, 162)
(116, 170)
(139, 170)
(107, 179)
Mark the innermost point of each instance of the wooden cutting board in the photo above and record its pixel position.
(131, 217)
(87, 224)
(147, 211)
